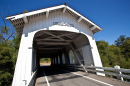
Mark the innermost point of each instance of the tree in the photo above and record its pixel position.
(126, 48)
(103, 51)
(114, 55)
(118, 54)
(15, 46)
(6, 65)
(120, 40)
(6, 61)
(25, 11)
(5, 32)
(110, 54)
(124, 43)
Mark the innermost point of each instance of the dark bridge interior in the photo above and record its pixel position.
(50, 44)
(57, 46)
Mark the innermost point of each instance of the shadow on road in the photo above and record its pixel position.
(54, 74)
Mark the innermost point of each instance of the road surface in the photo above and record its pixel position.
(51, 76)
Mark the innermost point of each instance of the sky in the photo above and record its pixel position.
(113, 16)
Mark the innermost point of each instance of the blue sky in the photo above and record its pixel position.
(111, 15)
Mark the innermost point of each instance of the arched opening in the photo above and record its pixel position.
(52, 43)
(45, 61)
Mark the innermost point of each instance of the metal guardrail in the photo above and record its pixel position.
(120, 73)
(116, 71)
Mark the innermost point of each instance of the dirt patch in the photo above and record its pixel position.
(46, 64)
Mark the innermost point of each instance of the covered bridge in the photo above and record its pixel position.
(55, 32)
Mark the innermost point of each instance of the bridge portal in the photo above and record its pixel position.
(56, 32)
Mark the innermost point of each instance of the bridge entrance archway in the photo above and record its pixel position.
(51, 44)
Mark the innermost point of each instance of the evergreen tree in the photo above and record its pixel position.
(120, 40)
(6, 65)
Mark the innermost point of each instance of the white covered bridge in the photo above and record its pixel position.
(55, 32)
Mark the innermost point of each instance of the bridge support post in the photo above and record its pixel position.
(57, 59)
(118, 72)
(66, 56)
(71, 57)
(54, 60)
(34, 61)
(87, 55)
(18, 79)
(60, 56)
(76, 60)
(51, 61)
(29, 57)
(23, 70)
(91, 55)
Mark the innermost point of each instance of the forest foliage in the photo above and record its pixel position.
(45, 60)
(8, 56)
(117, 54)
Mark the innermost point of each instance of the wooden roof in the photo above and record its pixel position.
(19, 20)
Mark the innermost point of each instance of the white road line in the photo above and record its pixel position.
(46, 78)
(88, 78)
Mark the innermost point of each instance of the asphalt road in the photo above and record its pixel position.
(51, 76)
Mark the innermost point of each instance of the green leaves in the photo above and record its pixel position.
(8, 56)
(6, 65)
(44, 60)
(5, 78)
(118, 54)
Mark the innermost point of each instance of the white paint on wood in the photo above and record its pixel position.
(93, 27)
(35, 12)
(25, 19)
(79, 19)
(23, 67)
(47, 14)
(64, 9)
(87, 55)
(50, 9)
(95, 54)
(118, 72)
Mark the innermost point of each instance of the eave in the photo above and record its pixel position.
(19, 20)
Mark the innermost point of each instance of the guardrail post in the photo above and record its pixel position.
(118, 72)
(25, 82)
